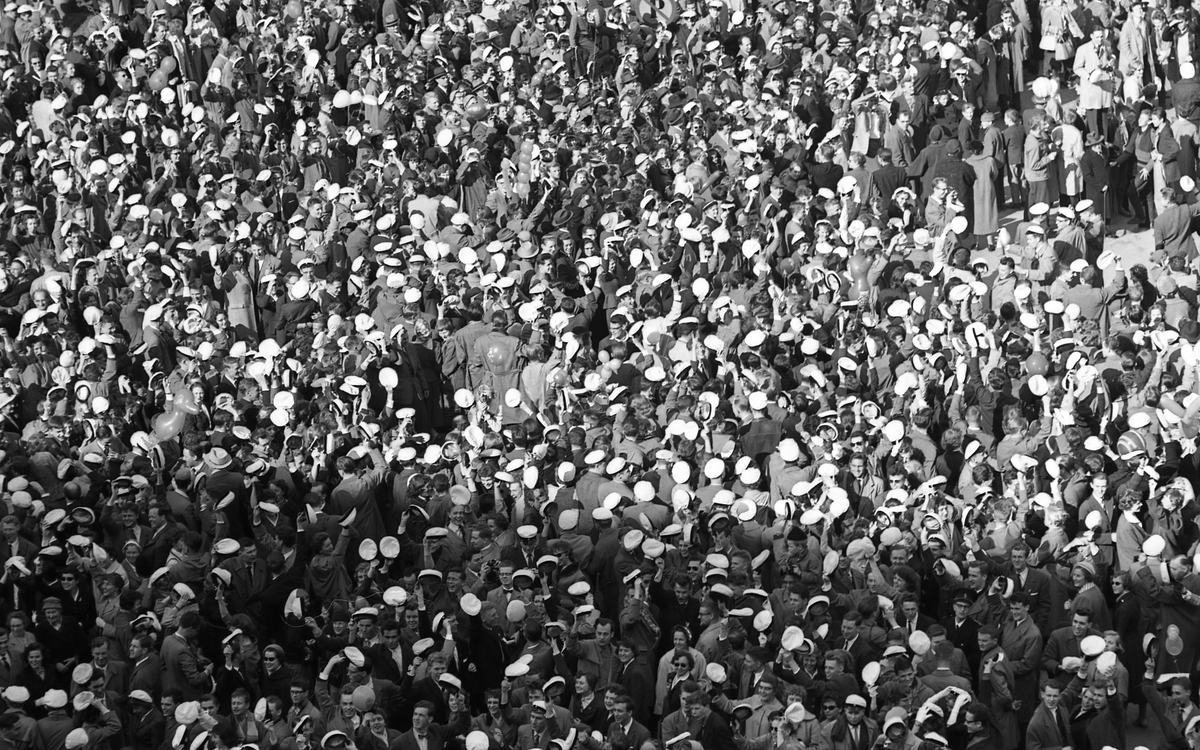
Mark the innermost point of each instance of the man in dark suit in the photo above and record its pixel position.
(391, 657)
(1050, 725)
(963, 631)
(1173, 227)
(433, 735)
(636, 681)
(913, 619)
(147, 727)
(853, 642)
(146, 674)
(429, 689)
(624, 727)
(715, 732)
(222, 477)
(526, 554)
(116, 673)
(15, 545)
(269, 603)
(538, 733)
(1067, 642)
(164, 532)
(1035, 583)
(1093, 169)
(184, 669)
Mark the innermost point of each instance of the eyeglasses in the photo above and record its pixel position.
(681, 664)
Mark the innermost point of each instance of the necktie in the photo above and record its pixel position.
(421, 737)
(854, 736)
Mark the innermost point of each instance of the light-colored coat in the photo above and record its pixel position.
(1096, 85)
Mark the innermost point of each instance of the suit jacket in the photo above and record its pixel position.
(1173, 229)
(116, 677)
(715, 733)
(25, 549)
(836, 735)
(1044, 733)
(147, 675)
(498, 598)
(901, 144)
(147, 733)
(425, 689)
(1037, 586)
(438, 734)
(1061, 644)
(639, 686)
(862, 651)
(922, 624)
(525, 738)
(1131, 50)
(1022, 646)
(636, 736)
(9, 674)
(182, 669)
(1186, 94)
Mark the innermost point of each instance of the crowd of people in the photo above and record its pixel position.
(606, 375)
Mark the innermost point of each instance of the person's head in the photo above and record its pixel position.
(1018, 606)
(1051, 693)
(239, 702)
(189, 624)
(682, 663)
(1180, 691)
(1081, 621)
(977, 574)
(139, 647)
(622, 710)
(585, 683)
(767, 688)
(989, 638)
(627, 651)
(835, 664)
(855, 709)
(346, 702)
(422, 716)
(1019, 555)
(850, 624)
(977, 717)
(604, 632)
(298, 692)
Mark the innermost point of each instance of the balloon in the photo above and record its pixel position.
(1037, 364)
(185, 401)
(169, 424)
(294, 9)
(429, 39)
(364, 698)
(498, 355)
(168, 65)
(557, 378)
(476, 111)
(158, 81)
(1174, 643)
